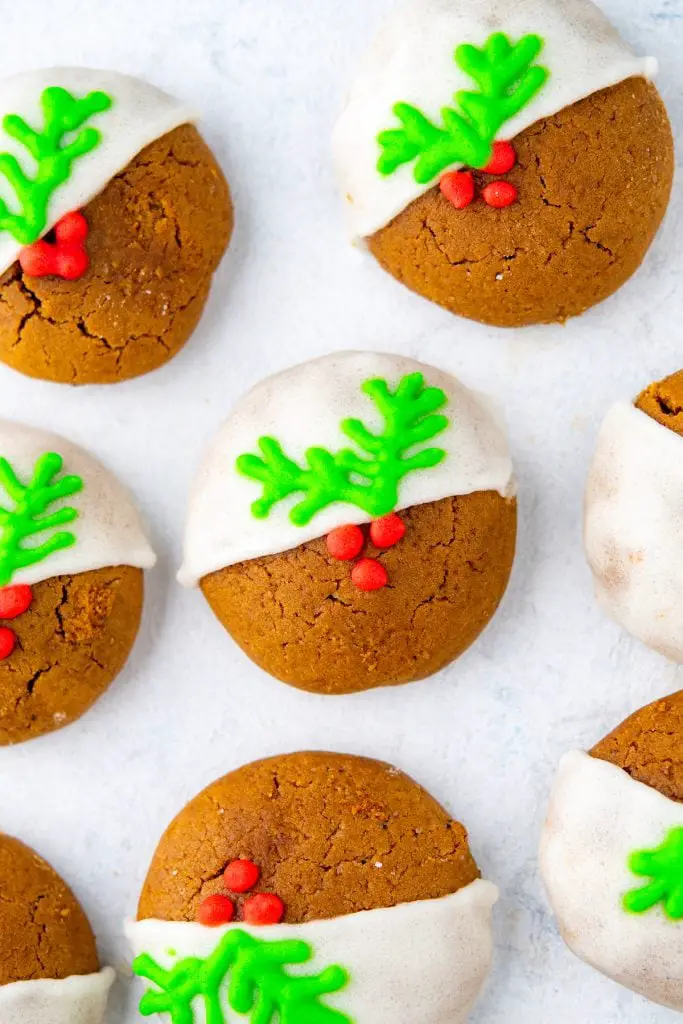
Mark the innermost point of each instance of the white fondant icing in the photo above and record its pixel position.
(108, 531)
(424, 961)
(634, 527)
(140, 113)
(411, 61)
(304, 407)
(80, 999)
(598, 816)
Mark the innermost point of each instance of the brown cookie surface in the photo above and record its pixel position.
(332, 834)
(594, 183)
(43, 930)
(71, 643)
(663, 402)
(299, 616)
(157, 233)
(649, 746)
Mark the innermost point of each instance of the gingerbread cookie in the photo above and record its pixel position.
(354, 523)
(49, 970)
(72, 551)
(113, 217)
(634, 497)
(511, 162)
(281, 892)
(612, 853)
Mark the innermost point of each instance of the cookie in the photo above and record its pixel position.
(72, 551)
(354, 523)
(612, 853)
(49, 971)
(634, 497)
(319, 859)
(511, 162)
(106, 268)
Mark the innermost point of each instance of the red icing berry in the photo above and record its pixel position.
(15, 600)
(369, 574)
(8, 642)
(500, 194)
(241, 875)
(73, 227)
(458, 188)
(387, 531)
(503, 159)
(263, 908)
(66, 257)
(71, 262)
(345, 542)
(216, 910)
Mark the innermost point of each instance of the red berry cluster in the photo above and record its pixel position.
(66, 257)
(347, 542)
(459, 187)
(259, 909)
(14, 601)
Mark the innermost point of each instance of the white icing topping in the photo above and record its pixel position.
(80, 999)
(108, 531)
(598, 816)
(304, 407)
(412, 62)
(140, 114)
(432, 976)
(634, 527)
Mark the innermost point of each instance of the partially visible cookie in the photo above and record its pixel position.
(335, 854)
(612, 852)
(49, 968)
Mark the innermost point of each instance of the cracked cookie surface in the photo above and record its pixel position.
(663, 402)
(71, 643)
(299, 616)
(594, 183)
(332, 834)
(157, 233)
(649, 746)
(45, 933)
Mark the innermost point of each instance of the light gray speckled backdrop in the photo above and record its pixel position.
(550, 674)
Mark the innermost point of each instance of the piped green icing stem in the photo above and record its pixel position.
(664, 866)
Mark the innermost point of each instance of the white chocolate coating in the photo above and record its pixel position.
(304, 406)
(140, 114)
(411, 61)
(634, 527)
(80, 999)
(419, 962)
(598, 816)
(108, 531)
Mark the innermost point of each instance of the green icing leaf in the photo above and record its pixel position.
(507, 81)
(247, 975)
(664, 866)
(27, 518)
(369, 480)
(63, 114)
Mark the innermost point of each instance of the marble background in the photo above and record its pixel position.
(551, 673)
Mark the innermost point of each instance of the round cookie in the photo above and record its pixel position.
(368, 565)
(72, 551)
(105, 273)
(49, 971)
(331, 858)
(491, 153)
(611, 853)
(634, 496)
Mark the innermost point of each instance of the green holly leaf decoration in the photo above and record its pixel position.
(27, 519)
(507, 81)
(245, 974)
(63, 114)
(664, 866)
(368, 478)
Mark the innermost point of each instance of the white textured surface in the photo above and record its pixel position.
(398, 974)
(597, 817)
(305, 406)
(551, 674)
(412, 61)
(80, 999)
